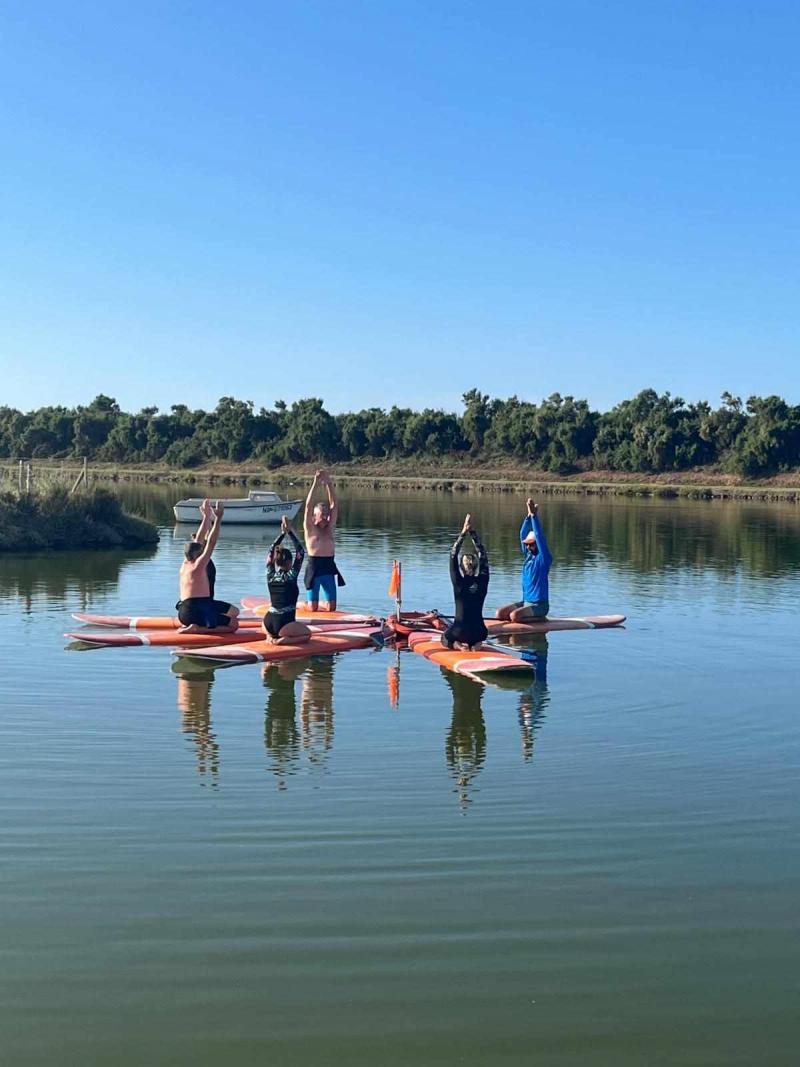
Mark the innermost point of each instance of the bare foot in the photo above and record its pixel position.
(191, 629)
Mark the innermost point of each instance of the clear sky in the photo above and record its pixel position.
(384, 203)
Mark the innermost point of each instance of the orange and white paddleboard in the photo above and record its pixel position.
(172, 622)
(471, 664)
(259, 605)
(427, 622)
(171, 638)
(324, 644)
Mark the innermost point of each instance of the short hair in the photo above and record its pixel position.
(283, 557)
(193, 549)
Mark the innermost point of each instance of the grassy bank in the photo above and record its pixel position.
(50, 519)
(456, 475)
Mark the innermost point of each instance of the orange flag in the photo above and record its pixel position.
(394, 582)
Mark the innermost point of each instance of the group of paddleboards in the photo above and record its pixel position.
(281, 626)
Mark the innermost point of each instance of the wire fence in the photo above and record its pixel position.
(25, 476)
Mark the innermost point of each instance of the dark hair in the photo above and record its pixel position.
(193, 549)
(283, 557)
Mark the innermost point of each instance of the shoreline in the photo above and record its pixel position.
(694, 484)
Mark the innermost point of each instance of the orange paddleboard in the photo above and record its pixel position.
(171, 638)
(471, 664)
(171, 622)
(267, 652)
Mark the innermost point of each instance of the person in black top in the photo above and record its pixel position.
(470, 578)
(283, 570)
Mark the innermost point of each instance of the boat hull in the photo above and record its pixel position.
(245, 512)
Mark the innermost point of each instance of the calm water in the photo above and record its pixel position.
(278, 866)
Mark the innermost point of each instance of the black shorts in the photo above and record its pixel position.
(204, 611)
(275, 622)
(465, 634)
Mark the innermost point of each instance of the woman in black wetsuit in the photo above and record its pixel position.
(470, 578)
(283, 570)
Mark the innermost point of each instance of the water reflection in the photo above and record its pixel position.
(466, 738)
(194, 704)
(534, 700)
(465, 741)
(643, 535)
(261, 537)
(288, 744)
(76, 577)
(281, 733)
(316, 709)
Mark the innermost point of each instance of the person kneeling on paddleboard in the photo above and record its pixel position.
(319, 526)
(470, 578)
(198, 611)
(283, 570)
(535, 602)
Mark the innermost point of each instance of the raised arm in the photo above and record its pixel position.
(213, 537)
(309, 509)
(541, 540)
(483, 555)
(205, 521)
(271, 555)
(331, 498)
(527, 522)
(455, 570)
(299, 552)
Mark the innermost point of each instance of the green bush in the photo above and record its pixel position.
(52, 519)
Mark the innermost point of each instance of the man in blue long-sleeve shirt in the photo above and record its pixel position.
(535, 602)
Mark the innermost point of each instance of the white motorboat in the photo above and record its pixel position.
(257, 507)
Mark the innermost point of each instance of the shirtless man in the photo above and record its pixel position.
(198, 611)
(319, 527)
(535, 602)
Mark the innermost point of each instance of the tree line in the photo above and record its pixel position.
(650, 433)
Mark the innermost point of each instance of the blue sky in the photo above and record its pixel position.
(384, 203)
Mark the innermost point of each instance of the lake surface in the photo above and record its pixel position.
(279, 866)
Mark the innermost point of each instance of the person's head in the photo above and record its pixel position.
(283, 559)
(530, 544)
(322, 515)
(193, 549)
(469, 563)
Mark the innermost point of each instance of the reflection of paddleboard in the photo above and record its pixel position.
(266, 651)
(471, 664)
(420, 622)
(116, 639)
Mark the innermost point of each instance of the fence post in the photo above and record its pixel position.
(28, 478)
(19, 477)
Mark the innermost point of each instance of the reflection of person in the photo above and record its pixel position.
(534, 700)
(319, 528)
(535, 602)
(470, 579)
(194, 704)
(465, 743)
(198, 611)
(281, 736)
(316, 708)
(283, 570)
